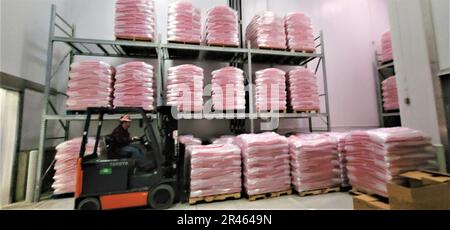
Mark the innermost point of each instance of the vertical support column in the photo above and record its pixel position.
(379, 93)
(159, 75)
(325, 81)
(71, 59)
(48, 74)
(251, 96)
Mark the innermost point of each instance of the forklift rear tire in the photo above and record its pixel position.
(90, 203)
(161, 197)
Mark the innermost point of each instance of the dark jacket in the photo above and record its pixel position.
(120, 137)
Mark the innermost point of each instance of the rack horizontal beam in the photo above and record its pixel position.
(391, 114)
(224, 116)
(82, 117)
(175, 51)
(385, 66)
(110, 48)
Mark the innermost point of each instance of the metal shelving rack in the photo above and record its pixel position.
(163, 52)
(385, 70)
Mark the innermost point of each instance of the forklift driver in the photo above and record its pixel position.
(121, 141)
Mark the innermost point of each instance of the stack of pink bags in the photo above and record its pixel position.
(189, 140)
(215, 169)
(386, 47)
(299, 32)
(265, 161)
(66, 157)
(185, 88)
(390, 95)
(340, 140)
(228, 90)
(221, 27)
(184, 23)
(270, 90)
(303, 90)
(90, 85)
(314, 162)
(377, 157)
(135, 19)
(224, 140)
(134, 85)
(266, 30)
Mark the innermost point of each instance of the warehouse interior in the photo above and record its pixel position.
(43, 43)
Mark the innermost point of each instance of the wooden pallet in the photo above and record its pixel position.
(130, 38)
(222, 45)
(83, 112)
(228, 111)
(302, 51)
(358, 191)
(273, 111)
(319, 191)
(269, 195)
(307, 111)
(208, 199)
(185, 43)
(271, 48)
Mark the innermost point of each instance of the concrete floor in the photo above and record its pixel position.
(332, 201)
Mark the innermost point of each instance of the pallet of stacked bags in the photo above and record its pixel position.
(270, 90)
(390, 94)
(185, 88)
(228, 89)
(135, 20)
(90, 85)
(386, 54)
(314, 164)
(215, 172)
(134, 86)
(225, 139)
(221, 27)
(66, 157)
(299, 33)
(378, 157)
(266, 167)
(266, 31)
(184, 141)
(303, 92)
(340, 140)
(184, 23)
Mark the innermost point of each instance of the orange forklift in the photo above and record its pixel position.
(112, 181)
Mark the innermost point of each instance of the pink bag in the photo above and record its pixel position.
(299, 32)
(266, 30)
(221, 27)
(265, 162)
(90, 85)
(184, 23)
(134, 85)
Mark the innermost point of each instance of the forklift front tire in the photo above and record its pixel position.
(90, 203)
(161, 197)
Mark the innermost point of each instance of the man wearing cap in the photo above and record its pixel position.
(121, 139)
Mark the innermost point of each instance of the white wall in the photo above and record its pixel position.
(352, 31)
(412, 62)
(441, 21)
(24, 37)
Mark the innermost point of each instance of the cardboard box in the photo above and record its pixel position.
(366, 202)
(422, 190)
